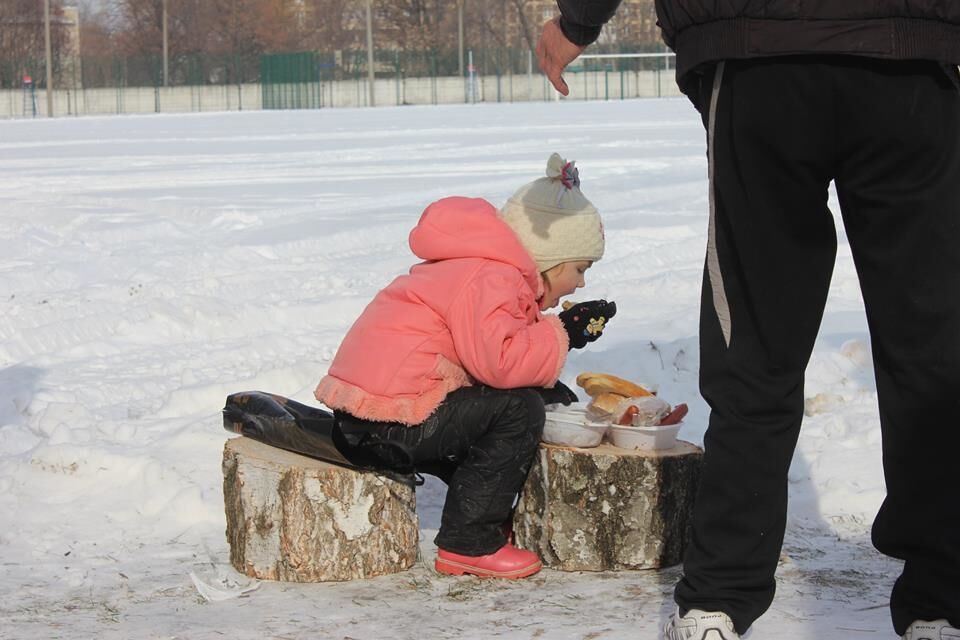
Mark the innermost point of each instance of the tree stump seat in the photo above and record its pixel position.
(298, 519)
(606, 508)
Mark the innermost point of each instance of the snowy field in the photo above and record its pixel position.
(151, 265)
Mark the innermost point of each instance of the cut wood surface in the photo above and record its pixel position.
(607, 508)
(294, 518)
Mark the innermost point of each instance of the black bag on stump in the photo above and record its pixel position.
(286, 424)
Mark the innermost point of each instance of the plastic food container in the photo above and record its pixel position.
(647, 438)
(572, 427)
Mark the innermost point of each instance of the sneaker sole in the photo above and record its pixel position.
(454, 568)
(709, 634)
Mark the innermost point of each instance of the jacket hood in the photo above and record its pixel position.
(458, 227)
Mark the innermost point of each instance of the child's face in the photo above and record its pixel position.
(562, 280)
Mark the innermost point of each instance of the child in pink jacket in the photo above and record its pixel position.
(449, 367)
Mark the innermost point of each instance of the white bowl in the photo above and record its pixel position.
(571, 427)
(647, 438)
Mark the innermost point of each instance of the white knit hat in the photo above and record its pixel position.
(553, 219)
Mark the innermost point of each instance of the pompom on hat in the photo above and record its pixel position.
(552, 218)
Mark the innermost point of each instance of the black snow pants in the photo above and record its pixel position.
(481, 442)
(778, 131)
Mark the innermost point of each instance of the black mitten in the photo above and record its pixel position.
(557, 394)
(585, 321)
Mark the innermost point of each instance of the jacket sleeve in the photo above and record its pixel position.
(668, 30)
(496, 341)
(582, 20)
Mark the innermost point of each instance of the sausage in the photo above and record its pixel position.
(674, 416)
(627, 418)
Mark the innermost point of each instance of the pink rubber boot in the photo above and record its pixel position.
(507, 562)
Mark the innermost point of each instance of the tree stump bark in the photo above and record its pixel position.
(298, 519)
(607, 508)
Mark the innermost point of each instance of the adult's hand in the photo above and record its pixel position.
(555, 52)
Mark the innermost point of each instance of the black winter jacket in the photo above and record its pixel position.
(702, 31)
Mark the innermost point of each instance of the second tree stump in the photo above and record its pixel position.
(607, 508)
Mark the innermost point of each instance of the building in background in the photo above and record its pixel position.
(71, 69)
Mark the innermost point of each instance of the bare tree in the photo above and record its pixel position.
(419, 24)
(97, 29)
(328, 25)
(634, 26)
(246, 26)
(509, 23)
(526, 24)
(140, 26)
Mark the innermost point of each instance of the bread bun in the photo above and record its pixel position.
(596, 384)
(605, 404)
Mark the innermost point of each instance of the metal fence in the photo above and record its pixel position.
(310, 80)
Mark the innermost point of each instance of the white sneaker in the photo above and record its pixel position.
(701, 625)
(936, 630)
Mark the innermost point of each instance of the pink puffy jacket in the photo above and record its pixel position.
(468, 314)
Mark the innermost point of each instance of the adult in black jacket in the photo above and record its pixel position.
(793, 95)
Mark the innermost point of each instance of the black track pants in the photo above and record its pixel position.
(779, 130)
(481, 442)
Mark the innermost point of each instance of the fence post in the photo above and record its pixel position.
(659, 90)
(499, 74)
(238, 76)
(473, 77)
(510, 72)
(529, 74)
(433, 76)
(396, 69)
(371, 65)
(118, 84)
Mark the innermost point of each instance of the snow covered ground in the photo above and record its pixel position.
(149, 266)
